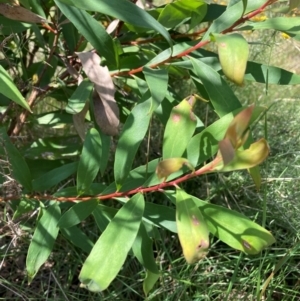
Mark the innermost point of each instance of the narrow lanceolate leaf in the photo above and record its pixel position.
(77, 213)
(192, 229)
(9, 89)
(109, 253)
(233, 52)
(235, 229)
(54, 176)
(78, 238)
(92, 30)
(173, 14)
(123, 10)
(171, 165)
(20, 169)
(89, 163)
(105, 107)
(134, 131)
(228, 17)
(142, 249)
(286, 24)
(43, 240)
(179, 129)
(19, 13)
(220, 94)
(78, 99)
(157, 81)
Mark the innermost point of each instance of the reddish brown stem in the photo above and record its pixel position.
(159, 187)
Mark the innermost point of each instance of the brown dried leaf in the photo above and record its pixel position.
(21, 14)
(105, 106)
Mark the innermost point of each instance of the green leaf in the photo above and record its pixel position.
(78, 238)
(90, 160)
(92, 30)
(103, 215)
(235, 229)
(78, 99)
(174, 14)
(192, 229)
(179, 129)
(77, 213)
(53, 148)
(70, 34)
(125, 11)
(20, 170)
(253, 5)
(161, 216)
(25, 206)
(9, 89)
(53, 119)
(229, 17)
(157, 81)
(12, 27)
(95, 189)
(286, 24)
(43, 240)
(270, 74)
(233, 52)
(134, 131)
(149, 281)
(109, 253)
(221, 95)
(143, 250)
(54, 177)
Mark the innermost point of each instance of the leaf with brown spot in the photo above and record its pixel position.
(192, 228)
(21, 14)
(179, 129)
(105, 107)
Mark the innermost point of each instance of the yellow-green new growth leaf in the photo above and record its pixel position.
(192, 229)
(242, 159)
(237, 131)
(233, 52)
(169, 166)
(253, 156)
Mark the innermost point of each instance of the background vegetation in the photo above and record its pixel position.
(225, 274)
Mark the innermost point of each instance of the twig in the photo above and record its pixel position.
(158, 187)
